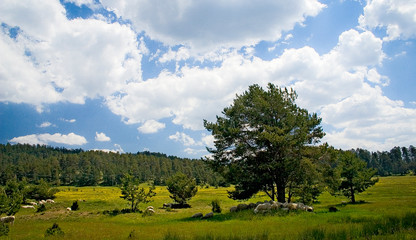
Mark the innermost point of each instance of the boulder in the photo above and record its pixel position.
(252, 205)
(242, 206)
(262, 208)
(208, 215)
(197, 215)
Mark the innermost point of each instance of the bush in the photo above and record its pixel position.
(4, 229)
(41, 208)
(55, 230)
(182, 188)
(40, 191)
(75, 206)
(216, 206)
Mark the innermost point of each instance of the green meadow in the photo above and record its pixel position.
(386, 211)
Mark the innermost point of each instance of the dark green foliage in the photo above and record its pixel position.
(396, 161)
(59, 166)
(181, 187)
(75, 206)
(41, 191)
(333, 209)
(135, 194)
(355, 176)
(11, 197)
(216, 207)
(260, 139)
(55, 230)
(41, 208)
(4, 229)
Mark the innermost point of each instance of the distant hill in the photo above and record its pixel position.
(61, 166)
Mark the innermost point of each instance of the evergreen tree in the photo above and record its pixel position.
(182, 188)
(355, 176)
(259, 141)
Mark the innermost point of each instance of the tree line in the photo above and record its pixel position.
(397, 161)
(60, 166)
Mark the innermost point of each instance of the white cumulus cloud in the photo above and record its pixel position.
(101, 137)
(398, 17)
(193, 93)
(207, 25)
(65, 60)
(183, 138)
(46, 138)
(151, 126)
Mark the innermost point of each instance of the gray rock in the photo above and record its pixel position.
(252, 205)
(197, 215)
(208, 215)
(242, 206)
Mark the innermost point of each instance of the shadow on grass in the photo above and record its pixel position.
(244, 215)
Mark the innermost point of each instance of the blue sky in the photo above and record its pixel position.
(142, 75)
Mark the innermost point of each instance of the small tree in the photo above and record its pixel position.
(132, 192)
(182, 188)
(355, 176)
(41, 191)
(11, 197)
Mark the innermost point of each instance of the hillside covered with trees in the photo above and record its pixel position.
(60, 166)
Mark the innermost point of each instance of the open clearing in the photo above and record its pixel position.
(391, 197)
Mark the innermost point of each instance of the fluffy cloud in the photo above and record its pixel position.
(397, 16)
(65, 60)
(369, 120)
(46, 138)
(101, 137)
(324, 83)
(195, 93)
(208, 25)
(184, 139)
(151, 126)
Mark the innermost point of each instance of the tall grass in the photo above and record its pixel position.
(384, 213)
(384, 226)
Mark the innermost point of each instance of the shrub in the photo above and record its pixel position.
(4, 229)
(182, 188)
(41, 208)
(55, 230)
(216, 206)
(75, 206)
(333, 209)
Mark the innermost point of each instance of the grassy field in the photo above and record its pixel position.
(388, 212)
